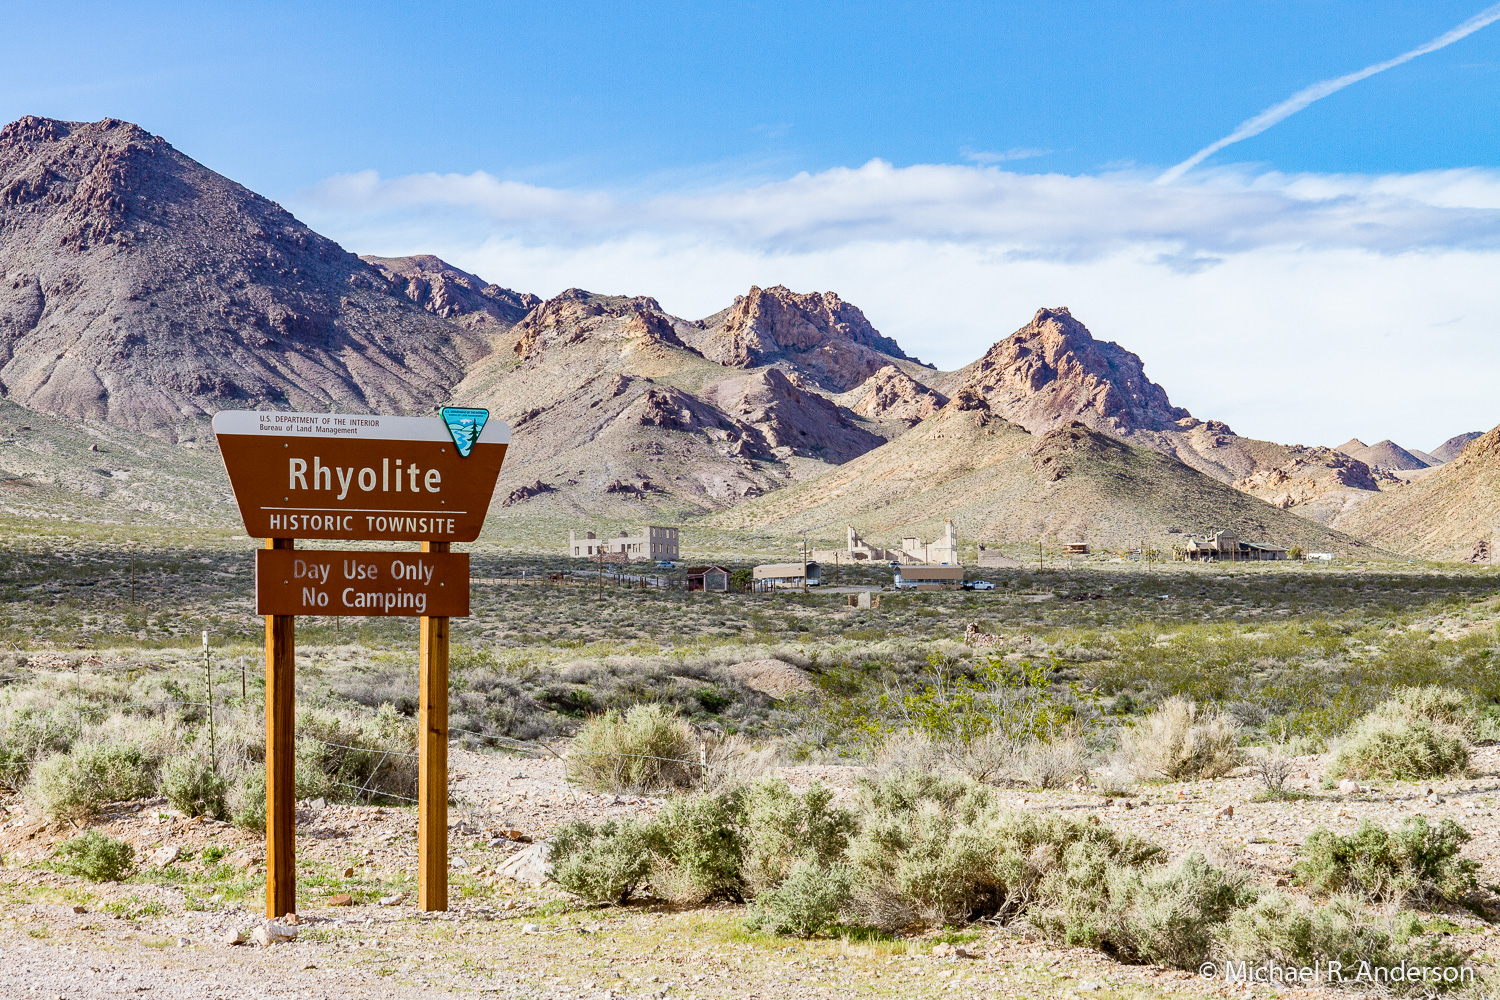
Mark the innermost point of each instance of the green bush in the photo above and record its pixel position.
(73, 786)
(604, 864)
(1280, 931)
(343, 759)
(784, 830)
(1176, 741)
(29, 735)
(700, 848)
(94, 856)
(937, 851)
(648, 748)
(1387, 746)
(1417, 862)
(809, 897)
(1138, 913)
(246, 799)
(191, 784)
(1442, 706)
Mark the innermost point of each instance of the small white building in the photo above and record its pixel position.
(929, 577)
(783, 576)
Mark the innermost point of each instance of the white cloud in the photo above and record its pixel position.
(1341, 305)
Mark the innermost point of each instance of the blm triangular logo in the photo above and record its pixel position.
(465, 423)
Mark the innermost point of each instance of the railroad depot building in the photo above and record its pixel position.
(1227, 546)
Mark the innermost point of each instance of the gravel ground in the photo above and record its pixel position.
(164, 934)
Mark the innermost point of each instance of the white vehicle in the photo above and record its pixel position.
(979, 585)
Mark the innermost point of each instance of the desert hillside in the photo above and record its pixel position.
(1003, 484)
(1053, 372)
(1442, 515)
(140, 288)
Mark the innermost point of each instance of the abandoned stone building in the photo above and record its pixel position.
(652, 542)
(913, 550)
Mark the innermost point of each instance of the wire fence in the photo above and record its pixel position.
(365, 790)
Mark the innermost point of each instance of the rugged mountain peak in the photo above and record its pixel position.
(577, 315)
(455, 295)
(141, 288)
(1351, 446)
(1052, 372)
(818, 332)
(892, 394)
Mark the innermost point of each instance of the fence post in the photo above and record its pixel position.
(208, 698)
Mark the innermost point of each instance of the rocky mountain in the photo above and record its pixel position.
(1443, 514)
(1449, 449)
(892, 395)
(816, 333)
(1003, 484)
(1052, 372)
(1386, 455)
(455, 295)
(140, 288)
(614, 402)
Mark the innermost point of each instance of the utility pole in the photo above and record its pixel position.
(599, 550)
(804, 562)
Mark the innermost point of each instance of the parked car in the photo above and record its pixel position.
(979, 585)
(665, 564)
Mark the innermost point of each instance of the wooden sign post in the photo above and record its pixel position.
(360, 478)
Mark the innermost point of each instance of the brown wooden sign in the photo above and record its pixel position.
(345, 476)
(318, 582)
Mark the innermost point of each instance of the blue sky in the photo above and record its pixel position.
(660, 149)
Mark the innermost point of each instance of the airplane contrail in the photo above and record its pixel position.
(1318, 91)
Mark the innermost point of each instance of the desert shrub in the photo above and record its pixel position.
(699, 849)
(1442, 706)
(809, 898)
(246, 799)
(603, 864)
(934, 851)
(27, 736)
(1050, 764)
(94, 856)
(783, 831)
(74, 785)
(1135, 912)
(1176, 741)
(342, 759)
(988, 757)
(192, 784)
(1273, 768)
(1385, 746)
(1280, 931)
(1416, 862)
(735, 761)
(647, 748)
